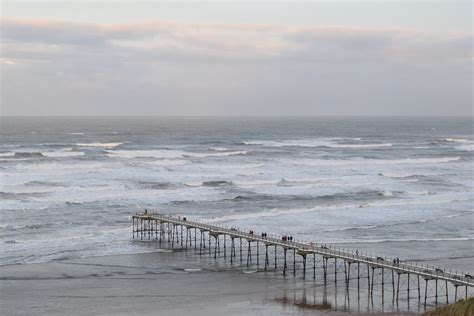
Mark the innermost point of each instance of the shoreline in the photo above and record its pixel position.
(172, 283)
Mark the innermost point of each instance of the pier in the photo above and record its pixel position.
(265, 252)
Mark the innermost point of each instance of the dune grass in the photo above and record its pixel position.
(460, 308)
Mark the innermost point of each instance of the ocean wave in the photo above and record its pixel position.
(219, 154)
(21, 195)
(469, 147)
(168, 162)
(455, 140)
(216, 183)
(320, 142)
(373, 241)
(408, 175)
(62, 154)
(339, 162)
(8, 154)
(44, 183)
(167, 153)
(156, 153)
(28, 155)
(218, 148)
(105, 145)
(156, 185)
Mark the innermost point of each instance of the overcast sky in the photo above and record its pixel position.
(237, 58)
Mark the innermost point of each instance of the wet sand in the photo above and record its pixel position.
(144, 284)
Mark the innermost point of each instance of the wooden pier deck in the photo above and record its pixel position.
(163, 227)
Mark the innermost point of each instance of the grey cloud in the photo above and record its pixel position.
(170, 68)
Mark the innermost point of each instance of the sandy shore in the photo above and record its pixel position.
(144, 284)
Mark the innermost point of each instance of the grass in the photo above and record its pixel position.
(460, 308)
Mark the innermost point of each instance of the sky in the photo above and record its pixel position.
(236, 58)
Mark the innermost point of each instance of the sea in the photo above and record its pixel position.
(398, 186)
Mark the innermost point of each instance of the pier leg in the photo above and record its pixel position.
(275, 257)
(393, 284)
(187, 237)
(304, 267)
(284, 263)
(249, 253)
(216, 245)
(348, 275)
(175, 232)
(368, 278)
(456, 293)
(335, 270)
(141, 229)
(325, 269)
(436, 291)
(398, 285)
(195, 239)
(383, 283)
(209, 242)
(156, 229)
(294, 261)
(426, 290)
(200, 242)
(314, 266)
(419, 294)
(181, 227)
(408, 287)
(240, 250)
(232, 249)
(266, 256)
(133, 227)
(225, 247)
(372, 285)
(447, 299)
(358, 277)
(257, 256)
(345, 273)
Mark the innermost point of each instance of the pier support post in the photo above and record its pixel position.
(257, 256)
(225, 247)
(240, 244)
(304, 266)
(294, 261)
(325, 269)
(426, 290)
(249, 253)
(335, 270)
(187, 237)
(419, 294)
(133, 227)
(398, 284)
(358, 277)
(314, 266)
(447, 299)
(195, 239)
(275, 257)
(284, 262)
(408, 287)
(436, 291)
(266, 256)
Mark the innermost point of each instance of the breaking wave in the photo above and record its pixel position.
(316, 143)
(339, 162)
(167, 153)
(105, 145)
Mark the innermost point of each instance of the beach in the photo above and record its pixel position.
(143, 284)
